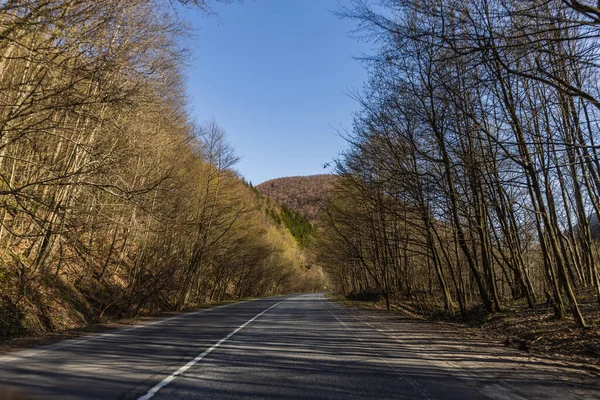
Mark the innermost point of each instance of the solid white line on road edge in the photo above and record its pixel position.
(72, 342)
(506, 390)
(199, 357)
(403, 376)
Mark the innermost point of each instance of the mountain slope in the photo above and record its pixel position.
(299, 193)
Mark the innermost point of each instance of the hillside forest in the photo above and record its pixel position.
(470, 183)
(303, 194)
(472, 176)
(113, 202)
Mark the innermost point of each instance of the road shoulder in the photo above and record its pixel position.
(25, 342)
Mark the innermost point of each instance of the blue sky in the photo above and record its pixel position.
(276, 75)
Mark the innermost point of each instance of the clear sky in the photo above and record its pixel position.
(276, 75)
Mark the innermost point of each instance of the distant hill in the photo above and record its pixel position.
(299, 193)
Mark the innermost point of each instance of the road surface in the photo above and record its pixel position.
(294, 347)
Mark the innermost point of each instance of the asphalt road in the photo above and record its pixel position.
(299, 347)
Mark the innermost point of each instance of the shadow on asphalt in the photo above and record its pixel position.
(298, 350)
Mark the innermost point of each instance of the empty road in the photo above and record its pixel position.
(290, 347)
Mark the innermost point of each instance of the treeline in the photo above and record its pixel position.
(473, 176)
(112, 202)
(295, 222)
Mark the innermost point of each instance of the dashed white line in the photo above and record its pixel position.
(199, 357)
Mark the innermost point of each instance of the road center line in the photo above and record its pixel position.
(199, 357)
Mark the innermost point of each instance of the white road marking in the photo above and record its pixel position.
(505, 390)
(199, 357)
(403, 376)
(99, 336)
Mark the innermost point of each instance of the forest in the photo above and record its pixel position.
(471, 180)
(451, 252)
(304, 194)
(113, 201)
(472, 176)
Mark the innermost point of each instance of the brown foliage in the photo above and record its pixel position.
(472, 173)
(112, 203)
(303, 194)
